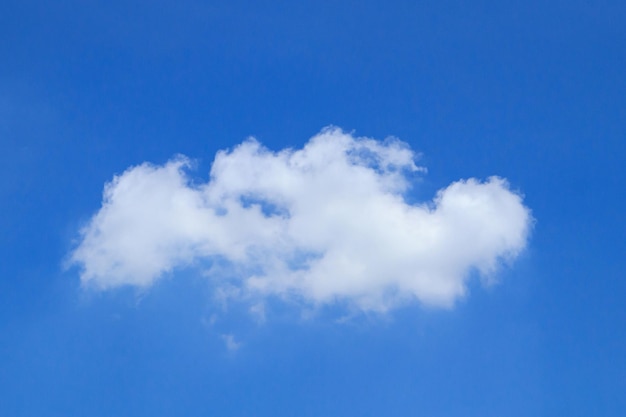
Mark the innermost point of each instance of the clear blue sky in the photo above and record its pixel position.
(530, 91)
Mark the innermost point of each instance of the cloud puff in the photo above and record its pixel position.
(230, 342)
(325, 223)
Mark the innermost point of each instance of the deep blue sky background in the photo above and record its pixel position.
(532, 91)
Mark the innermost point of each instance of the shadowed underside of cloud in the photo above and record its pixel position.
(320, 224)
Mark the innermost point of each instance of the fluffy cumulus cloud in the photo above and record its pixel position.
(322, 224)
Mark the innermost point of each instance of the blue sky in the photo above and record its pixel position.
(532, 92)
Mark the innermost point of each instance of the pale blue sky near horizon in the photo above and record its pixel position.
(531, 91)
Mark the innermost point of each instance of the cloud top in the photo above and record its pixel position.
(325, 223)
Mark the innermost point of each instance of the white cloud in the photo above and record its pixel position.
(320, 224)
(230, 342)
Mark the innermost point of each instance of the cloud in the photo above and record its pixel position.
(230, 342)
(322, 224)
